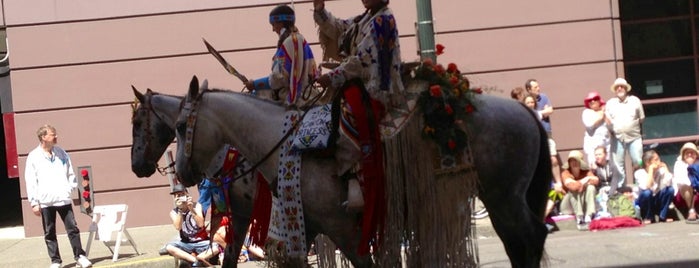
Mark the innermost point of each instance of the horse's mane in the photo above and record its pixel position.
(228, 91)
(136, 104)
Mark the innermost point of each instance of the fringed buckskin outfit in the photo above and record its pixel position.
(368, 74)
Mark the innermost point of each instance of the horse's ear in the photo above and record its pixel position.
(194, 87)
(138, 94)
(204, 85)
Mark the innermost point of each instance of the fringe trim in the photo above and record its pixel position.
(330, 46)
(276, 256)
(422, 202)
(326, 256)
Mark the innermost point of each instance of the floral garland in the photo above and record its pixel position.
(445, 104)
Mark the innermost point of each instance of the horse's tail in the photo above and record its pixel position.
(537, 194)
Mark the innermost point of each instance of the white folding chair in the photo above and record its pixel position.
(106, 220)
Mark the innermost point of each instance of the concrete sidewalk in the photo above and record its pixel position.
(18, 251)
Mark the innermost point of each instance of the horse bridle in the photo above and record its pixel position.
(148, 106)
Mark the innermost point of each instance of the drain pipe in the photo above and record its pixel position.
(424, 28)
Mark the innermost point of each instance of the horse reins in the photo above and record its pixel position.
(191, 121)
(283, 139)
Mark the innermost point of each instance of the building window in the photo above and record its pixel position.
(661, 59)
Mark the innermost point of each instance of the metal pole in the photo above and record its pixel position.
(425, 30)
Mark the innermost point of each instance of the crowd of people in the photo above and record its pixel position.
(591, 183)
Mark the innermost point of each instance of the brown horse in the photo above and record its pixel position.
(509, 145)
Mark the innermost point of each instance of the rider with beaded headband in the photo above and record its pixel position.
(293, 65)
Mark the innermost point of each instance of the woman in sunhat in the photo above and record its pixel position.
(685, 197)
(581, 186)
(624, 115)
(596, 131)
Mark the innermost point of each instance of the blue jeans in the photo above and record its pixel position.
(655, 204)
(618, 150)
(196, 247)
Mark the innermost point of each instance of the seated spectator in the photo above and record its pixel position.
(686, 200)
(187, 218)
(603, 171)
(655, 188)
(250, 251)
(580, 184)
(622, 203)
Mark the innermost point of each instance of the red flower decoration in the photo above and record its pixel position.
(452, 68)
(477, 90)
(436, 91)
(448, 109)
(440, 49)
(428, 62)
(469, 108)
(439, 69)
(86, 194)
(452, 144)
(453, 80)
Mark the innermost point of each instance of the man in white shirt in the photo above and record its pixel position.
(624, 116)
(50, 180)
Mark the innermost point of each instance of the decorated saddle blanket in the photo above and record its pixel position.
(316, 130)
(393, 120)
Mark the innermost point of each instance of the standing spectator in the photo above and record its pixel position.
(685, 198)
(518, 94)
(655, 188)
(529, 100)
(543, 103)
(581, 184)
(624, 115)
(596, 131)
(545, 109)
(187, 218)
(50, 181)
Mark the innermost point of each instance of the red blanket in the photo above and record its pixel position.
(613, 223)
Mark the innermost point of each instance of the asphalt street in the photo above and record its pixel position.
(656, 245)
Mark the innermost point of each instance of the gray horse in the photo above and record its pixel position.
(509, 145)
(153, 122)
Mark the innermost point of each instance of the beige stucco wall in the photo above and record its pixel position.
(73, 63)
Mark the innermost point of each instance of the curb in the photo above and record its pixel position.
(156, 262)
